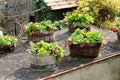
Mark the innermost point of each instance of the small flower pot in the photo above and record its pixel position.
(71, 29)
(84, 51)
(45, 36)
(47, 62)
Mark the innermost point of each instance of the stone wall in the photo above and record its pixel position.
(104, 70)
(15, 9)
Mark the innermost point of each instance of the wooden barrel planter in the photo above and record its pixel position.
(45, 36)
(86, 51)
(118, 35)
(42, 63)
(71, 29)
(7, 48)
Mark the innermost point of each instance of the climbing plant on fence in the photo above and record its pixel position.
(46, 12)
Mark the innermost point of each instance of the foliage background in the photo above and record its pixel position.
(46, 12)
(103, 11)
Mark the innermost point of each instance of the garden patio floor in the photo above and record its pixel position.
(16, 65)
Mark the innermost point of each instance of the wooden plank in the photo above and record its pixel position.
(61, 4)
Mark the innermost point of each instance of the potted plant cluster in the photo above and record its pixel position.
(7, 43)
(44, 53)
(78, 20)
(40, 31)
(84, 44)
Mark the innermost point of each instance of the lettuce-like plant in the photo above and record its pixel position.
(43, 48)
(45, 25)
(118, 27)
(76, 19)
(83, 37)
(8, 40)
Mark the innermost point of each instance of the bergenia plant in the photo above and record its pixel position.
(84, 37)
(43, 48)
(8, 40)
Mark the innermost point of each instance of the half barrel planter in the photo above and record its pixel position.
(118, 35)
(46, 36)
(47, 62)
(7, 48)
(71, 29)
(84, 51)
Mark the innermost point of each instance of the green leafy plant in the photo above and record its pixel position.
(118, 27)
(60, 24)
(77, 19)
(83, 37)
(45, 11)
(43, 48)
(42, 26)
(8, 40)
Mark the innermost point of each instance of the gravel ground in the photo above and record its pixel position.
(16, 65)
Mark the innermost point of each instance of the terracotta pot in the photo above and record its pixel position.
(37, 36)
(85, 51)
(71, 29)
